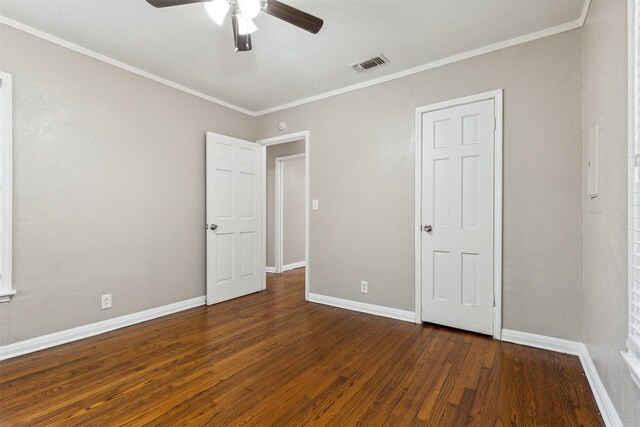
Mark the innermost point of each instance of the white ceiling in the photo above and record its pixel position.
(183, 45)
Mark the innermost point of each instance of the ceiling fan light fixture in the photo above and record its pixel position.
(249, 8)
(217, 10)
(243, 11)
(245, 25)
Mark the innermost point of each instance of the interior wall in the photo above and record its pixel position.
(294, 213)
(604, 82)
(109, 195)
(362, 173)
(88, 135)
(273, 151)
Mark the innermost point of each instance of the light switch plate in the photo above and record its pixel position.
(314, 204)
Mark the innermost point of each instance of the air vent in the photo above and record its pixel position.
(370, 63)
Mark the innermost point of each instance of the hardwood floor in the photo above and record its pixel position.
(273, 359)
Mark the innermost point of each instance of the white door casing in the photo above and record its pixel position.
(234, 222)
(279, 228)
(457, 202)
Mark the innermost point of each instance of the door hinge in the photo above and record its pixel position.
(494, 300)
(495, 123)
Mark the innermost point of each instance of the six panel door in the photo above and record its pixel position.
(457, 210)
(234, 235)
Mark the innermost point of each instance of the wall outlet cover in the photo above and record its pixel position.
(106, 301)
(364, 287)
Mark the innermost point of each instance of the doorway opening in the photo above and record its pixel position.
(287, 215)
(286, 206)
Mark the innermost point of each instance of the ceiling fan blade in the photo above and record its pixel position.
(294, 16)
(242, 42)
(167, 3)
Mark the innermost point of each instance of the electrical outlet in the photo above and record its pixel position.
(364, 287)
(106, 301)
(315, 205)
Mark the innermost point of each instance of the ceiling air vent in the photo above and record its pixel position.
(370, 63)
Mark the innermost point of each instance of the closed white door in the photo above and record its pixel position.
(234, 224)
(457, 216)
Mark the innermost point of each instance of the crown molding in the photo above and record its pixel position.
(585, 10)
(431, 65)
(100, 57)
(441, 62)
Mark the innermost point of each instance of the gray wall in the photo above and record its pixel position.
(273, 151)
(109, 190)
(95, 149)
(362, 172)
(109, 187)
(293, 207)
(604, 82)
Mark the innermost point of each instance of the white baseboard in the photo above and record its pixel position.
(378, 310)
(74, 334)
(542, 341)
(607, 410)
(294, 266)
(286, 267)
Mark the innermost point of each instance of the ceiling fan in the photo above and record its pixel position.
(243, 12)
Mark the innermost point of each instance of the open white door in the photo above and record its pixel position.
(234, 223)
(458, 216)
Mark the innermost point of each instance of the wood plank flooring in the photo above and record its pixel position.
(273, 359)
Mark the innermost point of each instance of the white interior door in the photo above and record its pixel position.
(457, 216)
(234, 223)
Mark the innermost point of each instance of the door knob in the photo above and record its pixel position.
(213, 227)
(428, 228)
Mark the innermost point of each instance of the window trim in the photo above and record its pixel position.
(6, 95)
(632, 355)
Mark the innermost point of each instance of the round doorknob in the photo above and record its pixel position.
(428, 228)
(213, 227)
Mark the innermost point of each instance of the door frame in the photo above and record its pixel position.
(495, 95)
(281, 139)
(279, 209)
